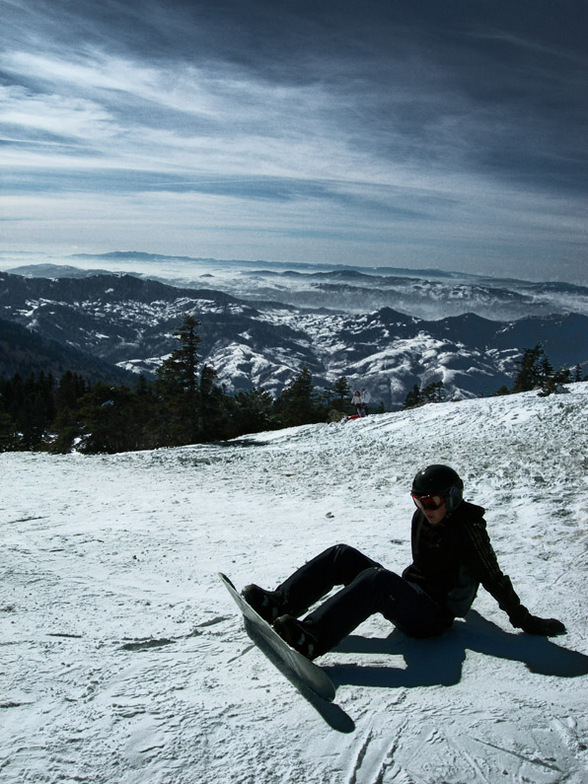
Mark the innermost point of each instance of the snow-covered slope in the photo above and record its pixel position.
(123, 659)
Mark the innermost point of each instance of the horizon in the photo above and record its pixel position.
(10, 263)
(418, 136)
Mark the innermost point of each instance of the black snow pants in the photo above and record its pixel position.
(369, 588)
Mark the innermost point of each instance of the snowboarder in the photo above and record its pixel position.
(452, 555)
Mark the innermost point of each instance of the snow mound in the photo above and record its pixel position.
(123, 659)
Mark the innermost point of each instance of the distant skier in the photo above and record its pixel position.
(452, 555)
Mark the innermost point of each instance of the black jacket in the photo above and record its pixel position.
(452, 558)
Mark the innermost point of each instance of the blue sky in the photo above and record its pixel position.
(421, 133)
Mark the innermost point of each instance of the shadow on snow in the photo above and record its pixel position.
(435, 661)
(438, 660)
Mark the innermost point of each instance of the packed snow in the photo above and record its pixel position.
(125, 660)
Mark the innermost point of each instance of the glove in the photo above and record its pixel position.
(547, 627)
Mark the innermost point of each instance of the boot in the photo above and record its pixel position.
(298, 635)
(268, 604)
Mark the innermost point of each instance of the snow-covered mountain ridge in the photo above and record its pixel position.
(129, 321)
(124, 660)
(426, 293)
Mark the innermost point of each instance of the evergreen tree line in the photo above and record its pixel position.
(183, 405)
(432, 393)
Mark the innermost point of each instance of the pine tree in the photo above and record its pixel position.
(433, 393)
(341, 394)
(8, 436)
(414, 397)
(214, 415)
(179, 370)
(251, 412)
(30, 405)
(178, 386)
(531, 366)
(296, 405)
(70, 389)
(111, 420)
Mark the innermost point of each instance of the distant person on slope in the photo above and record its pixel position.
(357, 402)
(365, 399)
(452, 555)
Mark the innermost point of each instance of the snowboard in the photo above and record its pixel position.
(296, 667)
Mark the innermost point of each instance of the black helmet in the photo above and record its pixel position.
(439, 480)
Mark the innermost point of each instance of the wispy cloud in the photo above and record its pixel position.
(394, 139)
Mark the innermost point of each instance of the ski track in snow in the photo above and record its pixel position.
(122, 658)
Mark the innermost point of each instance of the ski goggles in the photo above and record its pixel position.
(428, 502)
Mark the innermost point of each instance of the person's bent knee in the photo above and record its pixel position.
(343, 548)
(350, 563)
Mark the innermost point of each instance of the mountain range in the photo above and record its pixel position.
(262, 338)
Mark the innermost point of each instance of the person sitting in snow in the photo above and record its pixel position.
(452, 555)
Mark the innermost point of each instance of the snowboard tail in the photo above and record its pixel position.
(294, 665)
